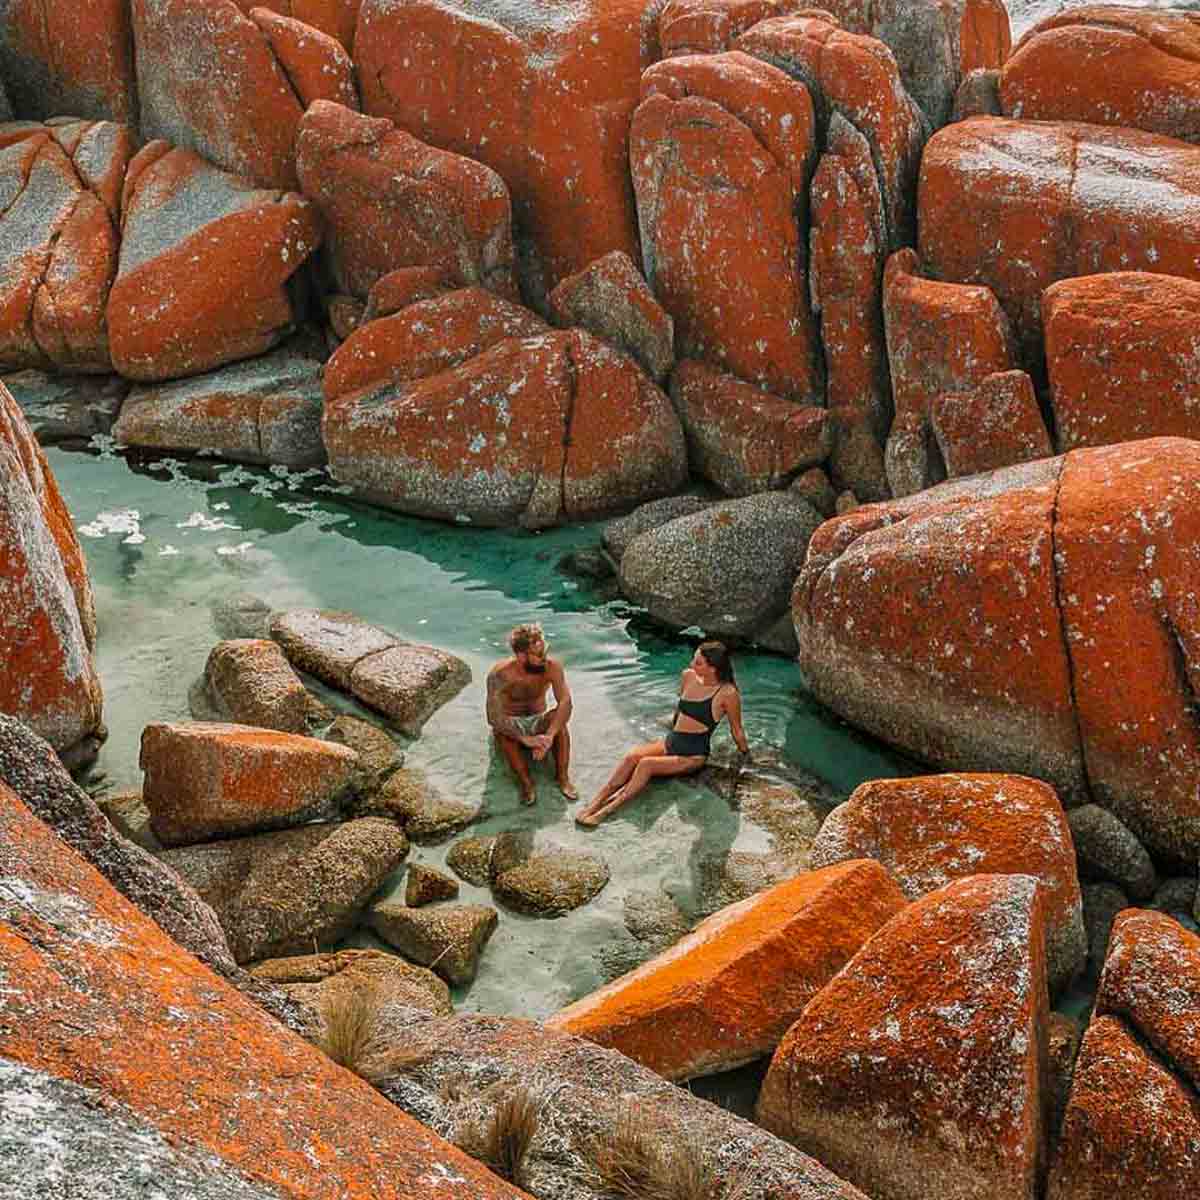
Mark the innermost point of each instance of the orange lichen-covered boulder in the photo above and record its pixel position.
(941, 338)
(721, 149)
(936, 42)
(932, 829)
(398, 348)
(337, 18)
(1017, 205)
(207, 779)
(390, 201)
(542, 93)
(610, 299)
(996, 424)
(1110, 64)
(1151, 980)
(92, 986)
(315, 63)
(47, 615)
(741, 438)
(1130, 1123)
(62, 56)
(728, 991)
(205, 261)
(531, 431)
(918, 1071)
(956, 655)
(404, 286)
(1127, 549)
(855, 76)
(847, 251)
(209, 81)
(59, 240)
(1123, 357)
(1000, 655)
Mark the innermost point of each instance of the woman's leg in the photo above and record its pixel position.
(646, 769)
(625, 768)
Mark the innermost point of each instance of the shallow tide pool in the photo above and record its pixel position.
(164, 547)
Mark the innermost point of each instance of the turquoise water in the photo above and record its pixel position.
(164, 547)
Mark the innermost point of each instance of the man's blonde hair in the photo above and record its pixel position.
(524, 636)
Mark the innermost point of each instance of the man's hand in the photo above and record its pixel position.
(540, 745)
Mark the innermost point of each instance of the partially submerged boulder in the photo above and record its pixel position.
(412, 801)
(406, 681)
(619, 533)
(389, 201)
(424, 885)
(930, 830)
(728, 569)
(945, 1006)
(91, 985)
(726, 993)
(204, 266)
(250, 682)
(265, 410)
(541, 878)
(205, 779)
(47, 613)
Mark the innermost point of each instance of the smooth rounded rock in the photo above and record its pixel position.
(1107, 850)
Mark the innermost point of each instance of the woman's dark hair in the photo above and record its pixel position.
(717, 655)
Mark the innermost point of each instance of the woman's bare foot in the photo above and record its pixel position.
(568, 789)
(588, 820)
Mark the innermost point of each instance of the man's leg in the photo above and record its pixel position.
(514, 755)
(561, 749)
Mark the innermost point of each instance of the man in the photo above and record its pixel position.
(516, 710)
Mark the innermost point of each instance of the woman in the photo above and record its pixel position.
(707, 694)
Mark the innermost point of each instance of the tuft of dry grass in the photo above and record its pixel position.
(642, 1160)
(501, 1140)
(351, 1015)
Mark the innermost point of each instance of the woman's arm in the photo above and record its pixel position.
(731, 701)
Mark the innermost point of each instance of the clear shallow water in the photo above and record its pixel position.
(194, 543)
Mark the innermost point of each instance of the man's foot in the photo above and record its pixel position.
(568, 789)
(528, 793)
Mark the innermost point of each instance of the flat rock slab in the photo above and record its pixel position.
(448, 939)
(406, 681)
(205, 780)
(67, 408)
(726, 993)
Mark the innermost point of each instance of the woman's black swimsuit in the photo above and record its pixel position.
(693, 744)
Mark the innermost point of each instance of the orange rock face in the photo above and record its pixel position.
(742, 439)
(404, 286)
(1127, 545)
(92, 983)
(47, 615)
(531, 431)
(59, 242)
(941, 338)
(933, 829)
(315, 63)
(390, 201)
(997, 424)
(209, 81)
(847, 252)
(207, 779)
(1000, 655)
(1151, 981)
(205, 259)
(1109, 64)
(1019, 205)
(60, 56)
(610, 299)
(918, 1071)
(956, 655)
(1130, 1123)
(337, 18)
(855, 76)
(1123, 357)
(541, 93)
(721, 151)
(728, 991)
(398, 348)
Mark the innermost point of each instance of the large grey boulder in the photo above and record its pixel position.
(67, 408)
(620, 531)
(728, 569)
(452, 1073)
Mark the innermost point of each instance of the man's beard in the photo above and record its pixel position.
(535, 668)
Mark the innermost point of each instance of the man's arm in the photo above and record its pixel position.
(497, 718)
(562, 701)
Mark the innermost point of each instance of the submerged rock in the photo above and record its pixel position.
(427, 816)
(471, 859)
(540, 878)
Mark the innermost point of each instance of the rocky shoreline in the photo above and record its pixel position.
(872, 332)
